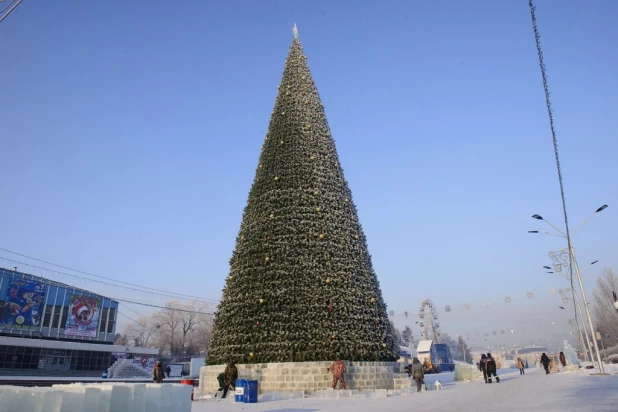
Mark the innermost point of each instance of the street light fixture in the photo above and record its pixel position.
(573, 261)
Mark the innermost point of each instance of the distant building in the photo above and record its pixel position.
(532, 355)
(49, 328)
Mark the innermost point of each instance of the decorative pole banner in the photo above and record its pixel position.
(560, 259)
(83, 316)
(23, 305)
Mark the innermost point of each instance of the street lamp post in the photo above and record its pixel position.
(579, 279)
(557, 257)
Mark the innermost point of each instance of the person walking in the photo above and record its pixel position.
(482, 367)
(418, 374)
(157, 372)
(562, 359)
(545, 363)
(229, 378)
(490, 367)
(520, 365)
(338, 370)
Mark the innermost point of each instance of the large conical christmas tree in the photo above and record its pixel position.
(301, 285)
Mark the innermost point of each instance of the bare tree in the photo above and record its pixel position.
(605, 314)
(178, 329)
(140, 333)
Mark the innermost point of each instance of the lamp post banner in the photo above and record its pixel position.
(560, 259)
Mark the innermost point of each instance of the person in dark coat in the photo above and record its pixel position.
(482, 366)
(221, 380)
(168, 370)
(545, 363)
(418, 374)
(562, 359)
(490, 367)
(229, 377)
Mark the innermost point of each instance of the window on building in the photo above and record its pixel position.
(1, 308)
(47, 319)
(56, 317)
(63, 320)
(112, 317)
(103, 326)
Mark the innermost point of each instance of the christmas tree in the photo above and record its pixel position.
(301, 285)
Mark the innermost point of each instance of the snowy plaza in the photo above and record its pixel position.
(535, 391)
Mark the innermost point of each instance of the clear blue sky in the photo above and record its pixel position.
(130, 133)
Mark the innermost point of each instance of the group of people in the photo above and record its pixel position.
(487, 365)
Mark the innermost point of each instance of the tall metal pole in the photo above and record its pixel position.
(10, 10)
(585, 302)
(581, 316)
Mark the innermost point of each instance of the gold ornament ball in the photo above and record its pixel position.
(231, 277)
(266, 259)
(281, 142)
(303, 77)
(261, 301)
(276, 178)
(333, 336)
(321, 235)
(356, 237)
(384, 345)
(347, 200)
(306, 101)
(282, 113)
(317, 209)
(372, 300)
(251, 354)
(312, 158)
(242, 238)
(272, 215)
(315, 192)
(327, 281)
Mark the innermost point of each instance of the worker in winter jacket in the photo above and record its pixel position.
(221, 380)
(418, 374)
(482, 366)
(545, 363)
(520, 366)
(490, 368)
(157, 372)
(338, 370)
(229, 377)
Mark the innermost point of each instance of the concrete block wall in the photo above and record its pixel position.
(306, 376)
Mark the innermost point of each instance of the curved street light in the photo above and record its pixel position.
(574, 265)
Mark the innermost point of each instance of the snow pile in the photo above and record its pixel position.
(106, 397)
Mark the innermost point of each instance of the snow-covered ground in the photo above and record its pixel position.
(570, 391)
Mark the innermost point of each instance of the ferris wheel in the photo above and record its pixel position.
(429, 322)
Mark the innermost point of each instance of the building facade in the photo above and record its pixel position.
(48, 327)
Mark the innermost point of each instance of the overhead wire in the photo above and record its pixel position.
(107, 278)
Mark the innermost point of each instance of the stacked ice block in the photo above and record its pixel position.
(105, 397)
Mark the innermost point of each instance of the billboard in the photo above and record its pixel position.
(144, 362)
(23, 306)
(83, 316)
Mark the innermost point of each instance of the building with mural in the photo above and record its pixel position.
(50, 328)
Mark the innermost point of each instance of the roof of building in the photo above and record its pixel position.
(424, 346)
(56, 344)
(531, 350)
(50, 282)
